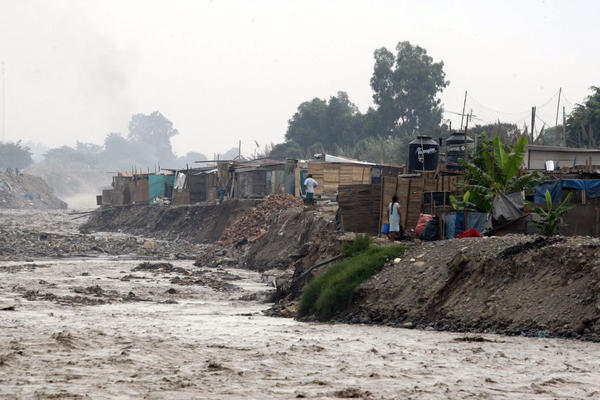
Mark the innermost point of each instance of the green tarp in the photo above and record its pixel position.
(160, 185)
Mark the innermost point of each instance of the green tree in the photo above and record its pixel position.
(119, 153)
(14, 155)
(552, 136)
(74, 158)
(373, 149)
(151, 135)
(283, 151)
(583, 124)
(326, 125)
(495, 169)
(406, 86)
(508, 133)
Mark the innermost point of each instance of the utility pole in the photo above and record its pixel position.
(240, 150)
(564, 127)
(556, 122)
(532, 124)
(462, 116)
(466, 130)
(3, 104)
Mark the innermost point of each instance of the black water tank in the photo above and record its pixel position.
(423, 150)
(455, 149)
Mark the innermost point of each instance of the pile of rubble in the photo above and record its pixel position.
(23, 191)
(255, 222)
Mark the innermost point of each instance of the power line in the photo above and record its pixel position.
(513, 113)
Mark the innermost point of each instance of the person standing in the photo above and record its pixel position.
(309, 185)
(394, 213)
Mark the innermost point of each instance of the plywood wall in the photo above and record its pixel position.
(330, 176)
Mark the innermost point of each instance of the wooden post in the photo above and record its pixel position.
(462, 116)
(467, 130)
(583, 133)
(564, 127)
(423, 155)
(407, 203)
(532, 124)
(556, 122)
(381, 203)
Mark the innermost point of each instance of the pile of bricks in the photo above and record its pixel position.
(255, 222)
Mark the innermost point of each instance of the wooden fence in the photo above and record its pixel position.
(359, 207)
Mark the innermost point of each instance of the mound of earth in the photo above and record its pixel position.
(24, 191)
(294, 236)
(515, 284)
(192, 223)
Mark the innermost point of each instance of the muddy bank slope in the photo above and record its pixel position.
(24, 191)
(193, 223)
(295, 238)
(511, 285)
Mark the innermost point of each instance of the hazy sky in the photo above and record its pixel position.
(228, 70)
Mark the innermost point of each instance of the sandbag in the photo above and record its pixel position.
(423, 218)
(431, 231)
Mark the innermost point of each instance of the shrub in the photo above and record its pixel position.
(551, 219)
(361, 243)
(332, 292)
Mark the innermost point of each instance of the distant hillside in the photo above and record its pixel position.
(26, 191)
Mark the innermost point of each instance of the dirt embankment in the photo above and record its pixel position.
(193, 223)
(24, 191)
(512, 285)
(297, 239)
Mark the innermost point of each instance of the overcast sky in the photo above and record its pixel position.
(228, 70)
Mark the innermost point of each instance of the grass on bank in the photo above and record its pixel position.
(332, 292)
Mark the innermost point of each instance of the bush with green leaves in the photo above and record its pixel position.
(361, 243)
(495, 169)
(551, 219)
(333, 291)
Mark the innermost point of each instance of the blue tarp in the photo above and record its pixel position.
(591, 187)
(160, 185)
(455, 223)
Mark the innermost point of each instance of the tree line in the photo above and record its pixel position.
(405, 88)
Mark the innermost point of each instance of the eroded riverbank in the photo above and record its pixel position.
(192, 332)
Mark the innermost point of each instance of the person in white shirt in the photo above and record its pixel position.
(309, 185)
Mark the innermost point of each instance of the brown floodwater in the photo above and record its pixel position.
(94, 328)
(211, 344)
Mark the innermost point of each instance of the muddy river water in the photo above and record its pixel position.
(101, 328)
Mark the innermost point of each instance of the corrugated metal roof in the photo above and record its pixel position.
(539, 147)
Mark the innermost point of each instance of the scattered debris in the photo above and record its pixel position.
(24, 191)
(253, 225)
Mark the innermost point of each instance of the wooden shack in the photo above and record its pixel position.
(203, 185)
(360, 205)
(331, 175)
(364, 207)
(260, 178)
(425, 192)
(141, 189)
(335, 171)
